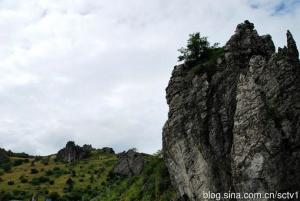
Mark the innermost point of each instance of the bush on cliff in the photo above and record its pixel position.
(196, 50)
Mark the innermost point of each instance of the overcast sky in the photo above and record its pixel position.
(95, 71)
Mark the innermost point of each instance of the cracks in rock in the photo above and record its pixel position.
(129, 167)
(206, 116)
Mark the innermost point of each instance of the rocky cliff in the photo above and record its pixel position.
(236, 129)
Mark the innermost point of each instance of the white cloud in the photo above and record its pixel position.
(95, 71)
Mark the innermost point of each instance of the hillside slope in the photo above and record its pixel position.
(92, 178)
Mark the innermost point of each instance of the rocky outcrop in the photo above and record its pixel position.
(4, 157)
(107, 150)
(238, 129)
(73, 152)
(129, 163)
(88, 148)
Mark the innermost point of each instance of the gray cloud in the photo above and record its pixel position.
(95, 72)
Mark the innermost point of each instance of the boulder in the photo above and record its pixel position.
(129, 163)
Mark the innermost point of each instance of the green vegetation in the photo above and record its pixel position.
(200, 55)
(89, 179)
(34, 171)
(197, 49)
(209, 65)
(18, 155)
(152, 184)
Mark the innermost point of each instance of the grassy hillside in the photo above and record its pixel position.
(87, 179)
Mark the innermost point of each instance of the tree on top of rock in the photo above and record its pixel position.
(197, 48)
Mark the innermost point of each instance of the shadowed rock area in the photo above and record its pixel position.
(3, 156)
(238, 129)
(73, 152)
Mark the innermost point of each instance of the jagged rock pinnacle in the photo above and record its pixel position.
(245, 43)
(291, 46)
(73, 152)
(245, 26)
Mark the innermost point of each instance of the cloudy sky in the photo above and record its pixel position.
(95, 71)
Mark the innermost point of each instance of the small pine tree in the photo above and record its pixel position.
(92, 179)
(70, 182)
(197, 48)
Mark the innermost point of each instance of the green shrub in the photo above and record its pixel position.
(6, 167)
(34, 171)
(10, 183)
(38, 158)
(92, 179)
(196, 50)
(44, 191)
(73, 173)
(35, 181)
(4, 196)
(18, 162)
(45, 160)
(49, 172)
(54, 196)
(39, 180)
(56, 171)
(69, 182)
(19, 155)
(23, 179)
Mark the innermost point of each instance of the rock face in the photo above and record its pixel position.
(73, 152)
(4, 157)
(129, 163)
(239, 129)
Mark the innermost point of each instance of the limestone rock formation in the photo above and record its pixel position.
(73, 152)
(129, 163)
(237, 130)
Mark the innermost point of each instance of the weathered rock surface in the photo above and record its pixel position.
(239, 129)
(129, 163)
(73, 152)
